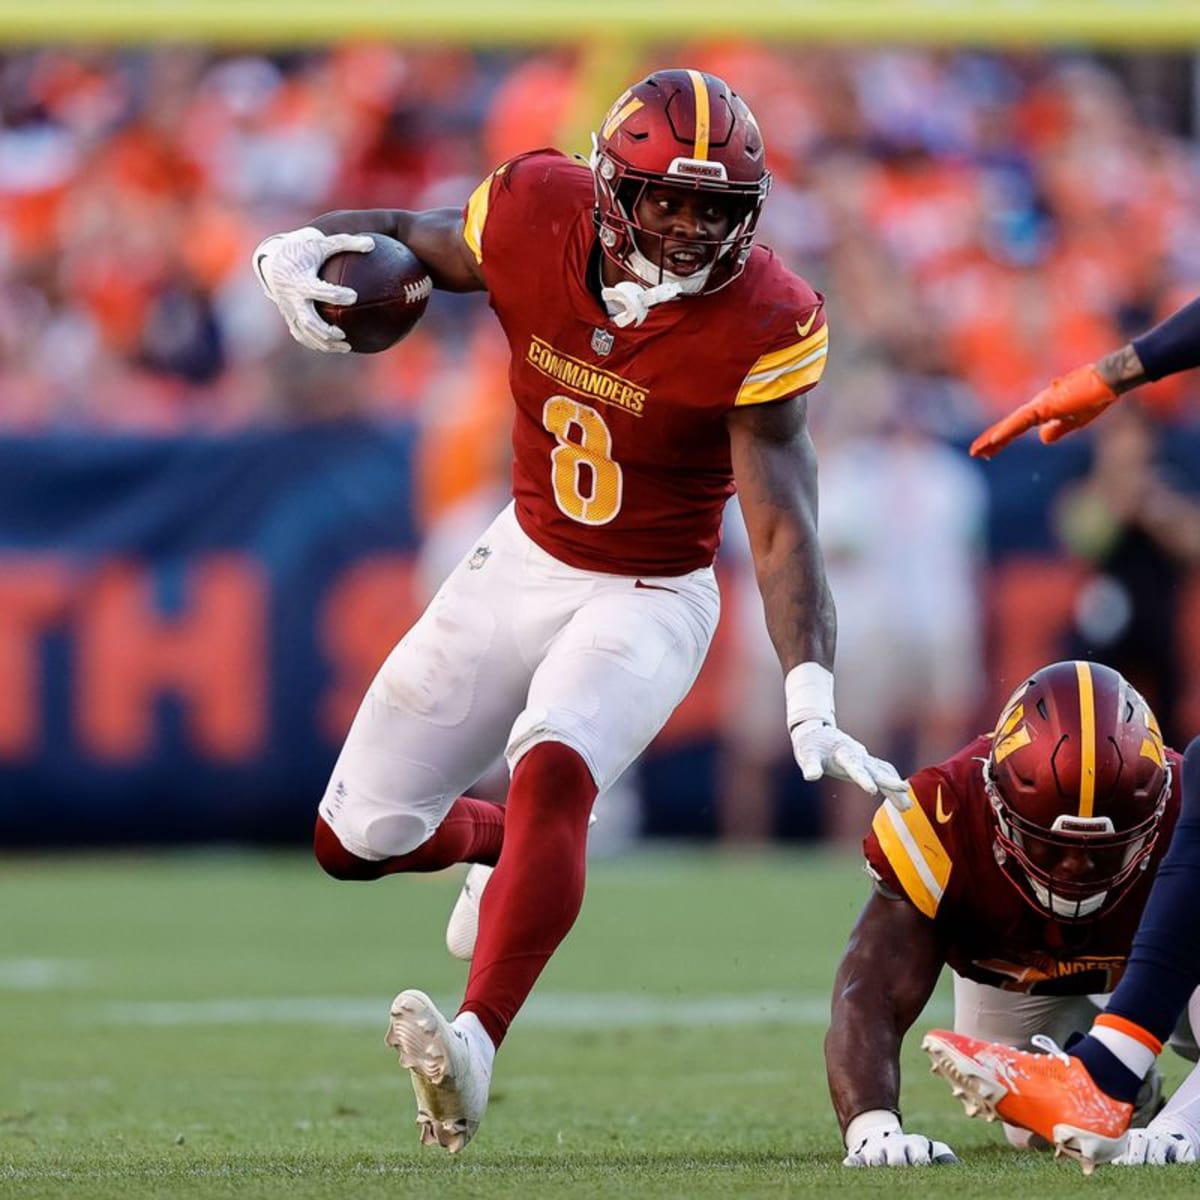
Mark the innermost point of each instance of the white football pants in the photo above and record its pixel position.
(1012, 1018)
(516, 648)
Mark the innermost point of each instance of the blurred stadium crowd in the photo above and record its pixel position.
(978, 223)
(978, 219)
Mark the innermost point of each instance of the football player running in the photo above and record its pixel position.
(658, 357)
(1024, 864)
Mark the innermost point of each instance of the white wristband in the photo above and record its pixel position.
(809, 692)
(875, 1120)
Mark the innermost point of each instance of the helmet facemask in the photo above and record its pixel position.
(1077, 868)
(640, 251)
(687, 130)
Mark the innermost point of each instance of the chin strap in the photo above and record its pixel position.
(628, 302)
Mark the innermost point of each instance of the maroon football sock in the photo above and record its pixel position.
(472, 831)
(536, 891)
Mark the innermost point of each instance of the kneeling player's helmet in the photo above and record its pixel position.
(1078, 780)
(682, 129)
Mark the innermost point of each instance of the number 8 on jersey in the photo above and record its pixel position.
(586, 479)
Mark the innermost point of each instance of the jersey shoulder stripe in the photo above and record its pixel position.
(476, 214)
(915, 852)
(787, 371)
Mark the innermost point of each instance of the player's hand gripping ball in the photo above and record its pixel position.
(393, 289)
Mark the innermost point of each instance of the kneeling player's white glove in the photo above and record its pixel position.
(875, 1139)
(1156, 1146)
(287, 264)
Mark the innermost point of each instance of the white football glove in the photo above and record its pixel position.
(287, 264)
(1156, 1147)
(875, 1139)
(821, 748)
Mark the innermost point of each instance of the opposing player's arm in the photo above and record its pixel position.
(1077, 398)
(886, 976)
(1170, 347)
(435, 236)
(775, 467)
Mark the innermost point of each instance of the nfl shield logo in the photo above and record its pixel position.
(602, 341)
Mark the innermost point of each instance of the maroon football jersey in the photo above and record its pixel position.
(939, 856)
(621, 451)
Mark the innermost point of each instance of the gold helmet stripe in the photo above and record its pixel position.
(1087, 732)
(703, 117)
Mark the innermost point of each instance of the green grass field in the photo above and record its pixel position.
(192, 1025)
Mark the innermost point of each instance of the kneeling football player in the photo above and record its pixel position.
(1023, 864)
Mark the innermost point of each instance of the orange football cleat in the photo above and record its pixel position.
(1050, 1094)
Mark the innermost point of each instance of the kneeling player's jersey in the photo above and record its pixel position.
(621, 451)
(940, 856)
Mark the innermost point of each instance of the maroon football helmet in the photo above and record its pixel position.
(678, 128)
(1078, 780)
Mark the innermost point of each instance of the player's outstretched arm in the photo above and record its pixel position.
(885, 978)
(775, 467)
(1068, 403)
(1077, 398)
(288, 265)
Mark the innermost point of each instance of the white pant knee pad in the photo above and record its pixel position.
(382, 807)
(385, 835)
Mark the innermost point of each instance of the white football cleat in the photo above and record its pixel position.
(450, 1074)
(463, 926)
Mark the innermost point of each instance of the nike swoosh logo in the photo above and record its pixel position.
(654, 587)
(802, 330)
(938, 811)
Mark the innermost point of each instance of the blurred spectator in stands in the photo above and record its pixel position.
(991, 191)
(902, 522)
(1140, 534)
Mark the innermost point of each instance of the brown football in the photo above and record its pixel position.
(393, 289)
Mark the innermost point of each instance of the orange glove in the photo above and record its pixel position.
(1070, 402)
